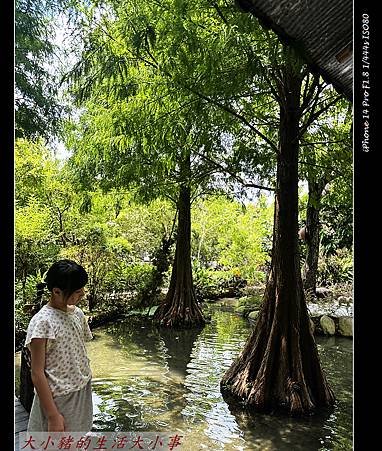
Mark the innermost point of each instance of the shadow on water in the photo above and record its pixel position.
(147, 378)
(280, 432)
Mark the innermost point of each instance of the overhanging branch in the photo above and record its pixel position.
(226, 170)
(233, 113)
(316, 115)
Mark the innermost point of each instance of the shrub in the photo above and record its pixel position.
(210, 283)
(336, 268)
(124, 277)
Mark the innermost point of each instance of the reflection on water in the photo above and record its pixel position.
(148, 379)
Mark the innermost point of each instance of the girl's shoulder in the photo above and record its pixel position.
(78, 311)
(45, 315)
(42, 325)
(42, 313)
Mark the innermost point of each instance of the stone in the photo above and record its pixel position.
(327, 324)
(253, 315)
(322, 292)
(345, 326)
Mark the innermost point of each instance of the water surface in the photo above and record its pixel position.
(149, 379)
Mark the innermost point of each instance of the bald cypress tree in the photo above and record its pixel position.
(279, 367)
(180, 307)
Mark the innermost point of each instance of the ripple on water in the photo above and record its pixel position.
(145, 379)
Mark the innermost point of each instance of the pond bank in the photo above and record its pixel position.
(327, 319)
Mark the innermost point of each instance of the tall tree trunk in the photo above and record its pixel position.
(279, 367)
(312, 235)
(180, 307)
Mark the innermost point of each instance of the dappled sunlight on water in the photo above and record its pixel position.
(146, 379)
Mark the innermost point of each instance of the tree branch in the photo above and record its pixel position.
(320, 166)
(225, 170)
(304, 143)
(233, 113)
(309, 92)
(317, 114)
(220, 13)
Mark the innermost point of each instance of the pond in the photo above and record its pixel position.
(148, 379)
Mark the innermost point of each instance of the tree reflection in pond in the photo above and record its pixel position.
(152, 379)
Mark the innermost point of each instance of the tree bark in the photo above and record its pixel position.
(313, 235)
(180, 307)
(279, 367)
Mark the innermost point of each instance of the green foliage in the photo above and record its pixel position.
(150, 293)
(166, 81)
(327, 165)
(34, 169)
(32, 222)
(158, 83)
(123, 277)
(110, 237)
(35, 235)
(253, 301)
(25, 297)
(337, 216)
(212, 283)
(26, 292)
(235, 238)
(336, 268)
(37, 109)
(114, 234)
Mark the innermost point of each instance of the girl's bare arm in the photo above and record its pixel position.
(55, 419)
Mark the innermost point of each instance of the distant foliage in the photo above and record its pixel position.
(232, 237)
(124, 277)
(210, 284)
(117, 239)
(336, 267)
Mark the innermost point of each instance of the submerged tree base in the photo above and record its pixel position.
(174, 313)
(279, 367)
(240, 408)
(237, 404)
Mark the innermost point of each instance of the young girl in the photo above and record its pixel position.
(60, 367)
